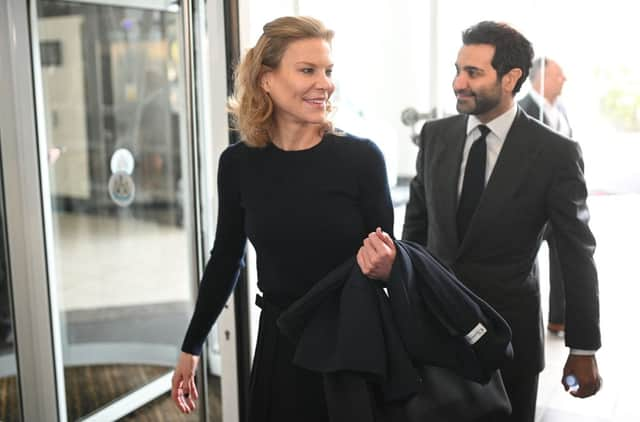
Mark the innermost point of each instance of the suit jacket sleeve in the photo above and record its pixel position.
(416, 220)
(569, 216)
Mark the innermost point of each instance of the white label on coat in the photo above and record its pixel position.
(476, 334)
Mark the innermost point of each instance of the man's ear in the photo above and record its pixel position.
(510, 79)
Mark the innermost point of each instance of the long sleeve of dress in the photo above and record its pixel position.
(223, 267)
(376, 204)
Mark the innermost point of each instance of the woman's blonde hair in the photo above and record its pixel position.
(250, 106)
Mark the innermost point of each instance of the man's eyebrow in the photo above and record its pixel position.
(474, 68)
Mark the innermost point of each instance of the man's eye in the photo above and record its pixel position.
(329, 72)
(308, 70)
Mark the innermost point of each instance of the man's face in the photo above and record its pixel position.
(476, 85)
(553, 80)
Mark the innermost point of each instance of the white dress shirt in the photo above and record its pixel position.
(495, 139)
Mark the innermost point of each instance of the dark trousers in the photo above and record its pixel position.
(556, 281)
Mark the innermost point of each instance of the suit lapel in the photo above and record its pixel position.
(516, 156)
(446, 175)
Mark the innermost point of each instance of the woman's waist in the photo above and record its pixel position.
(276, 300)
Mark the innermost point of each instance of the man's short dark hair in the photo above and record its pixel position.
(512, 49)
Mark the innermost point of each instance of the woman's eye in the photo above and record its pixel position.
(308, 70)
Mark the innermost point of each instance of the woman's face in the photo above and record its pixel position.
(301, 85)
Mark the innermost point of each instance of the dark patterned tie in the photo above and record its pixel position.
(473, 182)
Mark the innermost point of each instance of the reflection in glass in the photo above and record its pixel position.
(114, 115)
(9, 400)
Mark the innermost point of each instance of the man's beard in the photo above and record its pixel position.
(481, 104)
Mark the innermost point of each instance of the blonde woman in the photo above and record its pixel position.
(304, 195)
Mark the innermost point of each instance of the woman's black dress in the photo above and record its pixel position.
(305, 212)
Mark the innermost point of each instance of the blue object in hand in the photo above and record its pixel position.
(572, 382)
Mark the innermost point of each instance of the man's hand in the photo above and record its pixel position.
(585, 369)
(376, 255)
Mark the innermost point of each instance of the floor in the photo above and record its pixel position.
(90, 387)
(615, 227)
(111, 261)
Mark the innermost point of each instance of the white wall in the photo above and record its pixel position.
(381, 64)
(385, 62)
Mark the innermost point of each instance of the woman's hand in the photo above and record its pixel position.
(183, 383)
(376, 255)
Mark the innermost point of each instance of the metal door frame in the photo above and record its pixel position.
(37, 325)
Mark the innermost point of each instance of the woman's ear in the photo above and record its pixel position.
(265, 81)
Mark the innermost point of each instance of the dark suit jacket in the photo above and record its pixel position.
(538, 177)
(346, 323)
(531, 107)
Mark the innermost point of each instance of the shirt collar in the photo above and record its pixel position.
(499, 126)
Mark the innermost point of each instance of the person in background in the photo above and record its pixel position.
(547, 75)
(302, 193)
(488, 181)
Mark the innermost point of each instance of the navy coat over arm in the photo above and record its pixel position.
(346, 323)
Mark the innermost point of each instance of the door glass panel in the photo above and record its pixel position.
(115, 121)
(9, 399)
